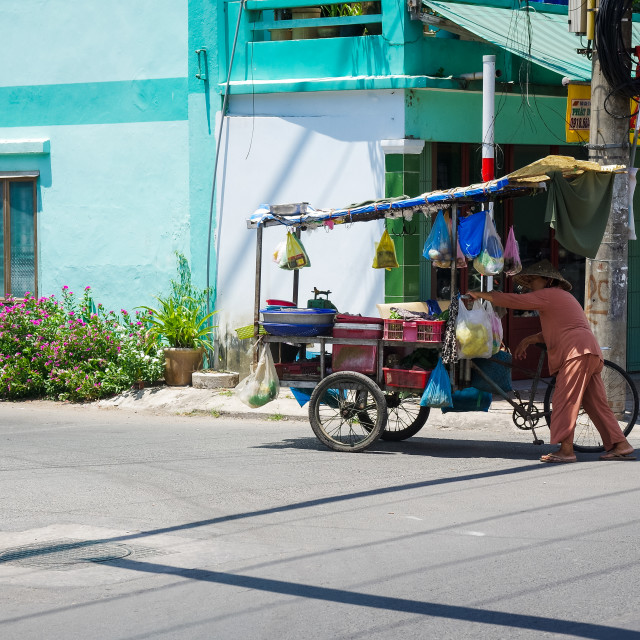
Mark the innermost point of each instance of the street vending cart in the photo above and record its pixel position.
(351, 407)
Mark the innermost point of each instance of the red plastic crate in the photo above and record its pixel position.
(414, 330)
(406, 378)
(298, 368)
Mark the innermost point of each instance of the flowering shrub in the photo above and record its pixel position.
(72, 350)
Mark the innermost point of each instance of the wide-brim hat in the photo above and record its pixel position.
(544, 269)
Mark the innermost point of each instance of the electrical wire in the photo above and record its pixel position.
(615, 59)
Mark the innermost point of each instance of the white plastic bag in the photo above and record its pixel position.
(474, 332)
(262, 384)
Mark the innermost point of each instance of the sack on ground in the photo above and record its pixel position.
(490, 260)
(385, 257)
(496, 372)
(438, 244)
(512, 262)
(295, 255)
(474, 332)
(261, 385)
(437, 393)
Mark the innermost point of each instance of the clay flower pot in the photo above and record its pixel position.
(179, 365)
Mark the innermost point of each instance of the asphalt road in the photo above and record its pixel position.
(119, 525)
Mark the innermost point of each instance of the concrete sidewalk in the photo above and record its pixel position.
(217, 402)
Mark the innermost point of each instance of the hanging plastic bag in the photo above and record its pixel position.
(261, 385)
(280, 254)
(474, 332)
(512, 263)
(470, 232)
(437, 393)
(438, 245)
(461, 259)
(385, 257)
(496, 328)
(295, 256)
(490, 260)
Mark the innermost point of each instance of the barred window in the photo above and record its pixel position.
(18, 268)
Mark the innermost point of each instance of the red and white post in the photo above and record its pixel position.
(488, 128)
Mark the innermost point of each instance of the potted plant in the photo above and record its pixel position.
(330, 11)
(181, 324)
(281, 34)
(304, 13)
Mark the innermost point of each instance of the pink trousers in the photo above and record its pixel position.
(578, 383)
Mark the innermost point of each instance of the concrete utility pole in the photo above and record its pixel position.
(606, 275)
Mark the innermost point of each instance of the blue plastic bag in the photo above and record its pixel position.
(434, 307)
(469, 399)
(437, 393)
(438, 245)
(470, 233)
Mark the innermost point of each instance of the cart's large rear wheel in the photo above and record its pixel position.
(405, 416)
(336, 406)
(622, 397)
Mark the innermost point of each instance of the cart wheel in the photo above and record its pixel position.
(336, 406)
(622, 397)
(405, 416)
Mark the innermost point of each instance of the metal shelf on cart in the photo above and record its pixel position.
(356, 341)
(309, 383)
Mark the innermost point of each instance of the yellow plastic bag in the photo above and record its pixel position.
(295, 256)
(385, 257)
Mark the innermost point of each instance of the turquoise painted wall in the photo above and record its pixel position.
(205, 103)
(107, 85)
(456, 116)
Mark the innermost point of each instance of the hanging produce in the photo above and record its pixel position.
(512, 263)
(490, 260)
(438, 245)
(474, 332)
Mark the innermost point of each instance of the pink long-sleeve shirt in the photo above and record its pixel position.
(565, 328)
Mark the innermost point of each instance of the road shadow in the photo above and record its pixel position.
(430, 447)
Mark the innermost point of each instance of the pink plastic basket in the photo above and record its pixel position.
(414, 330)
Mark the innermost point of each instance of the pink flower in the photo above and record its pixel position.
(65, 287)
(87, 288)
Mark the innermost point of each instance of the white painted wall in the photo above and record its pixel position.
(322, 148)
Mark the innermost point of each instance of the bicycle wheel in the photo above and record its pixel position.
(336, 406)
(405, 416)
(623, 400)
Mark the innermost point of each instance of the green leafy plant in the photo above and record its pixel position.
(341, 10)
(181, 319)
(179, 324)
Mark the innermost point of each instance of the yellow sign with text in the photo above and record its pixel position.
(578, 113)
(578, 118)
